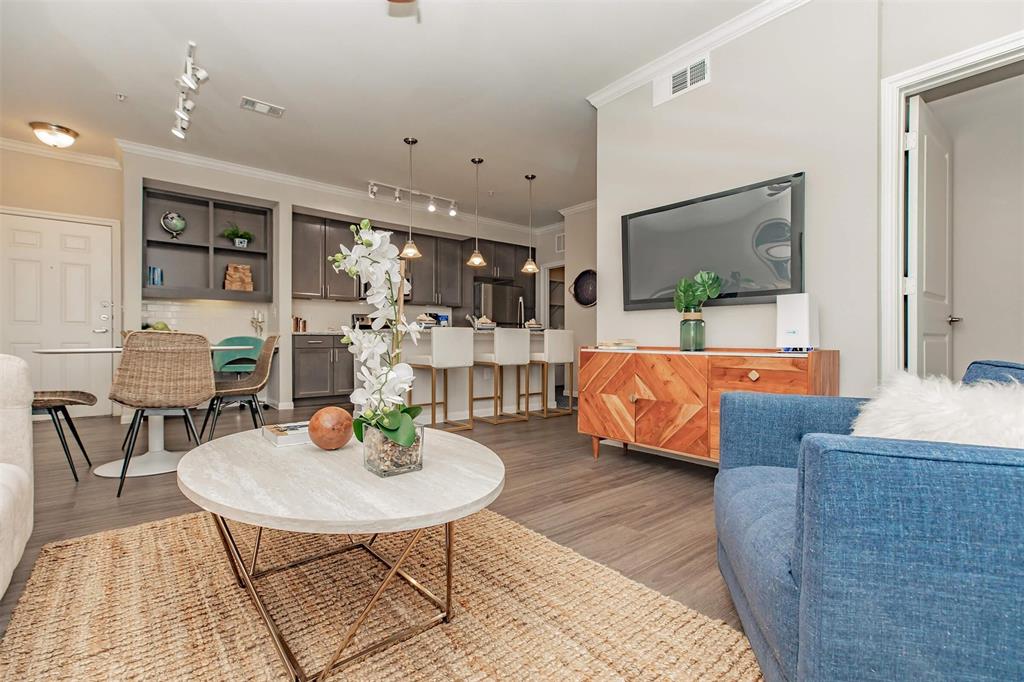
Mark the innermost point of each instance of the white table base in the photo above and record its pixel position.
(156, 460)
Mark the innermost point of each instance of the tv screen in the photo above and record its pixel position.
(751, 236)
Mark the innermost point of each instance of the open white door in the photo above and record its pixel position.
(929, 324)
(55, 292)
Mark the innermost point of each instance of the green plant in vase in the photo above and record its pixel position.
(241, 237)
(689, 297)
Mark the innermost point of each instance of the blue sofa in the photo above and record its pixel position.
(867, 558)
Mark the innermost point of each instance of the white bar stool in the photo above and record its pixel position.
(559, 349)
(511, 349)
(450, 348)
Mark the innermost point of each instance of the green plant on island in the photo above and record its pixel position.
(233, 231)
(691, 293)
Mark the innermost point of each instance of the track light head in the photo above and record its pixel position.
(201, 75)
(372, 191)
(398, 195)
(178, 132)
(431, 206)
(452, 210)
(184, 107)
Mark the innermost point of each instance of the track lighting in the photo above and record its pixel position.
(185, 106)
(189, 81)
(372, 191)
(452, 211)
(432, 202)
(398, 195)
(431, 206)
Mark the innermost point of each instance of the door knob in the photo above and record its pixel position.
(953, 319)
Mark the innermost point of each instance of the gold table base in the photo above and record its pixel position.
(247, 575)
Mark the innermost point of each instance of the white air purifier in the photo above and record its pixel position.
(796, 322)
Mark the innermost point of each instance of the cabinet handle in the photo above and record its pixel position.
(632, 398)
(311, 342)
(753, 376)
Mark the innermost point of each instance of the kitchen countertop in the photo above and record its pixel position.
(670, 351)
(338, 332)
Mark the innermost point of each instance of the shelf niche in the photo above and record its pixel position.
(195, 262)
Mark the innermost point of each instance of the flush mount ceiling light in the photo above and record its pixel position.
(530, 267)
(410, 250)
(185, 106)
(476, 259)
(53, 135)
(452, 210)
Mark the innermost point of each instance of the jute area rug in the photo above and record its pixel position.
(159, 602)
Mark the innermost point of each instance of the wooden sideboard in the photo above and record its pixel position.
(668, 400)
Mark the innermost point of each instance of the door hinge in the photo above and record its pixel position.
(909, 141)
(908, 286)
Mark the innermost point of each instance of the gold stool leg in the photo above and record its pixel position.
(433, 396)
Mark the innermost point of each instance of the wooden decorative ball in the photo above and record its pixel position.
(330, 428)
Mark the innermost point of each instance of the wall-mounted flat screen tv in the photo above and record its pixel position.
(751, 236)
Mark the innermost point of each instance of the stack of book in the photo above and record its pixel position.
(618, 344)
(294, 433)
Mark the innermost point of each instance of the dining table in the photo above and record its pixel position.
(157, 459)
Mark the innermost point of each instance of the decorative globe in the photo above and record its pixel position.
(174, 223)
(330, 428)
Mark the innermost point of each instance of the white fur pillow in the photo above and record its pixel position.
(911, 408)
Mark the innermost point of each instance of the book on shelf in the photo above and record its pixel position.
(293, 433)
(617, 344)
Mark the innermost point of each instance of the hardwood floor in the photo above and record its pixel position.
(646, 516)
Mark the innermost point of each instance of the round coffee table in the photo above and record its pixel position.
(301, 488)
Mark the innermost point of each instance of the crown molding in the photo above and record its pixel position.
(720, 35)
(578, 208)
(36, 149)
(553, 227)
(175, 156)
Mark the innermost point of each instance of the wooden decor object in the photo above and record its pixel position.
(238, 277)
(669, 400)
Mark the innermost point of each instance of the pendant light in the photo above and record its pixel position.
(529, 267)
(477, 259)
(410, 250)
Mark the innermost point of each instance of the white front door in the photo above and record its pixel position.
(55, 292)
(929, 322)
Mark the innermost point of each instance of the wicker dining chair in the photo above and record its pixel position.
(55, 404)
(161, 372)
(242, 391)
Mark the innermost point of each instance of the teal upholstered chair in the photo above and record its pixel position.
(237, 361)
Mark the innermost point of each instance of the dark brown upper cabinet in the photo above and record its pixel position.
(436, 276)
(313, 239)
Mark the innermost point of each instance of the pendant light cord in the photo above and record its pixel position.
(477, 207)
(530, 255)
(410, 192)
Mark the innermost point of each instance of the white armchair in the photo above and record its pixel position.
(16, 485)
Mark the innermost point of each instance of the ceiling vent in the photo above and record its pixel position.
(261, 107)
(680, 80)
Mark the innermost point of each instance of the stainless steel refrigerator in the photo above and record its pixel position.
(502, 303)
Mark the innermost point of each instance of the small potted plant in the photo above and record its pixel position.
(689, 297)
(241, 237)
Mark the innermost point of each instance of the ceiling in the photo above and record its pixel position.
(505, 80)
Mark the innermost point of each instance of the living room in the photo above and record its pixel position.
(505, 279)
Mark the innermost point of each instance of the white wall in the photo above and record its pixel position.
(288, 194)
(798, 94)
(580, 255)
(986, 126)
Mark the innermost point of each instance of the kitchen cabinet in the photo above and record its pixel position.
(321, 367)
(436, 276)
(338, 286)
(308, 256)
(421, 272)
(504, 261)
(448, 283)
(313, 239)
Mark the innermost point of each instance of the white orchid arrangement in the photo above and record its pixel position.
(384, 379)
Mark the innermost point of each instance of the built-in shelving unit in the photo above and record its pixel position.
(194, 263)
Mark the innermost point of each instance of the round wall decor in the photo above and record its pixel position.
(584, 288)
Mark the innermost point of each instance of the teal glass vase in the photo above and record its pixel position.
(691, 330)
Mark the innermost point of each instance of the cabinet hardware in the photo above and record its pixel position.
(953, 319)
(632, 398)
(753, 376)
(312, 341)
(100, 331)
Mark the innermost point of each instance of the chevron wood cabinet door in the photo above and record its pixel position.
(669, 400)
(607, 389)
(671, 406)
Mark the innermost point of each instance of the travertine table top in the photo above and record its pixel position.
(245, 478)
